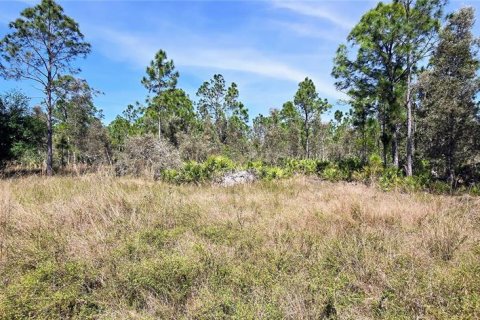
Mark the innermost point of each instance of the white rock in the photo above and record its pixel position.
(239, 177)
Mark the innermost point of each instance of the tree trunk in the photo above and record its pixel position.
(49, 91)
(307, 138)
(159, 123)
(307, 147)
(364, 143)
(409, 121)
(159, 128)
(395, 147)
(49, 133)
(384, 142)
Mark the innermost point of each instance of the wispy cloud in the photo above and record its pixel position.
(317, 10)
(122, 46)
(309, 30)
(139, 50)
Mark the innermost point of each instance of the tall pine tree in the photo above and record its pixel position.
(449, 113)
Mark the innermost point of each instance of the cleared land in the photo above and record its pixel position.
(300, 248)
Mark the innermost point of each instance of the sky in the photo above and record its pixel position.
(267, 46)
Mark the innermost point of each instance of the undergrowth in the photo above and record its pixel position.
(298, 248)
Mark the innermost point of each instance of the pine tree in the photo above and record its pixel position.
(42, 46)
(449, 113)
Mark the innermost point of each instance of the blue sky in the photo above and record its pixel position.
(267, 47)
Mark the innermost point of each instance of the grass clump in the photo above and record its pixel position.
(51, 290)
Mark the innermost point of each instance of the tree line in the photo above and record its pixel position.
(408, 69)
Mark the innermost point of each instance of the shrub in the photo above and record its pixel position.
(304, 166)
(266, 172)
(333, 173)
(321, 166)
(439, 187)
(348, 166)
(390, 179)
(256, 166)
(193, 171)
(218, 164)
(147, 156)
(371, 172)
(28, 157)
(271, 173)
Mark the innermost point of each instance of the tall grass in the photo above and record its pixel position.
(119, 248)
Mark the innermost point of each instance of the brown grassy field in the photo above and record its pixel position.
(118, 248)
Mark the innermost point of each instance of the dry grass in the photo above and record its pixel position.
(100, 247)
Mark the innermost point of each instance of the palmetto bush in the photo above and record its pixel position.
(192, 171)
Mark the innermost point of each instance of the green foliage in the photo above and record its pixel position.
(22, 130)
(393, 179)
(449, 120)
(268, 172)
(310, 107)
(50, 41)
(304, 166)
(161, 74)
(333, 173)
(439, 187)
(271, 173)
(388, 43)
(371, 171)
(348, 166)
(51, 291)
(218, 164)
(193, 171)
(76, 117)
(350, 169)
(220, 106)
(255, 165)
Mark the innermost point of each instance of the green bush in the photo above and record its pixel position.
(348, 166)
(194, 172)
(439, 187)
(371, 172)
(271, 173)
(304, 166)
(267, 172)
(344, 170)
(390, 179)
(393, 179)
(217, 164)
(333, 173)
(256, 166)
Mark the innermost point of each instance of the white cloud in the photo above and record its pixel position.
(308, 30)
(139, 50)
(315, 10)
(121, 46)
